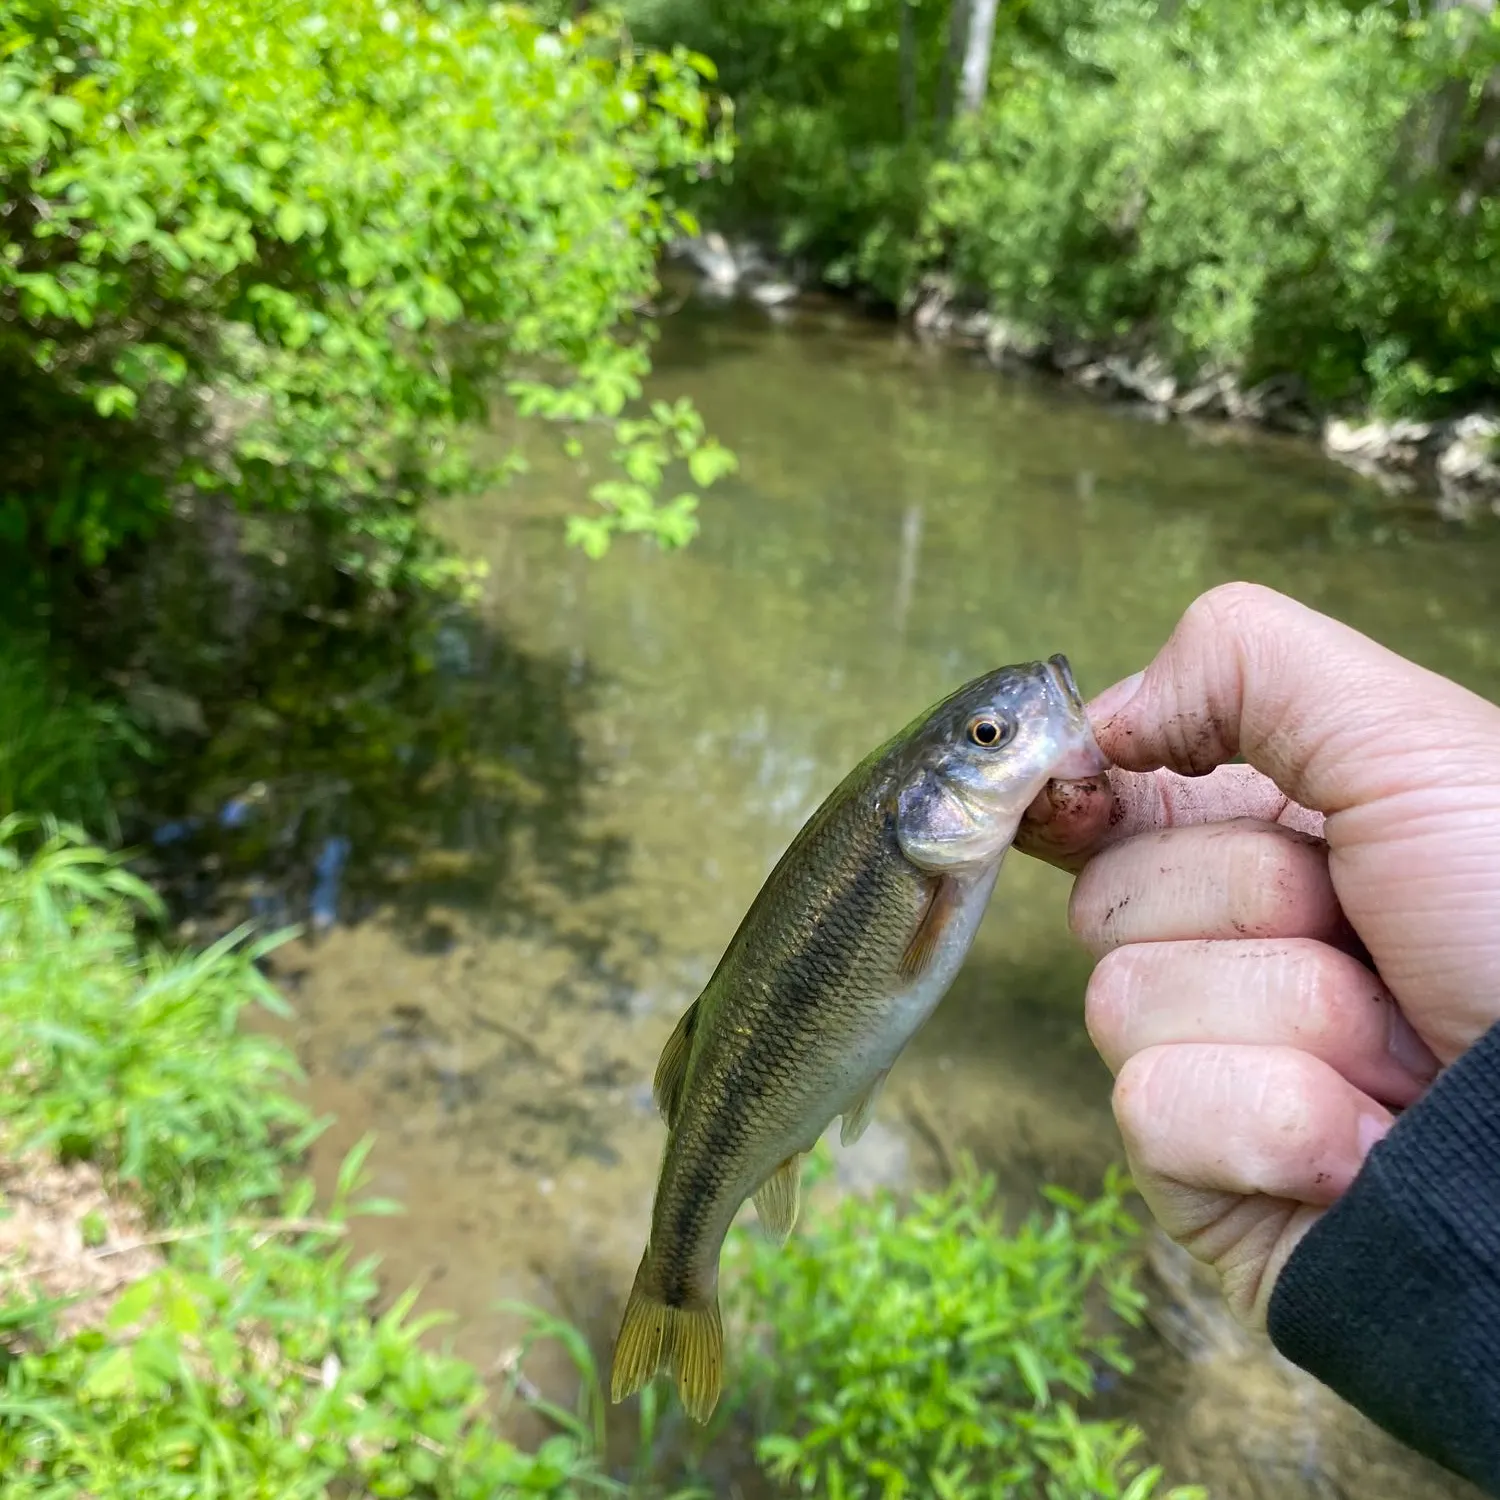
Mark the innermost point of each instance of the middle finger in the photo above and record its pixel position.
(1239, 879)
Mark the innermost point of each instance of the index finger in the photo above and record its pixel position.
(1327, 719)
(1071, 821)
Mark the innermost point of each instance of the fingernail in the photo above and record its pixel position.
(1113, 699)
(1372, 1131)
(1409, 1049)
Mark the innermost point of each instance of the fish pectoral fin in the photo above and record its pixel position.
(858, 1118)
(942, 906)
(688, 1340)
(671, 1070)
(777, 1199)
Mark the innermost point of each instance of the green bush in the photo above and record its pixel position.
(1250, 187)
(253, 1362)
(134, 1059)
(284, 250)
(934, 1352)
(1235, 199)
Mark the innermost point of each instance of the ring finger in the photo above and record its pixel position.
(1277, 992)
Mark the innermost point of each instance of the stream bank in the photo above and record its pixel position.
(1455, 460)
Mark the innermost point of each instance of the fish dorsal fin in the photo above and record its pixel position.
(857, 1118)
(671, 1070)
(942, 906)
(777, 1198)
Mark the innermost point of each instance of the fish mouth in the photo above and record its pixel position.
(1083, 759)
(1061, 674)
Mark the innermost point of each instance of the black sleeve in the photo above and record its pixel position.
(1393, 1297)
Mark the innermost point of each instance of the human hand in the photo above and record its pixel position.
(1289, 950)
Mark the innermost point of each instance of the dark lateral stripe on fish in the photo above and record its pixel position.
(831, 951)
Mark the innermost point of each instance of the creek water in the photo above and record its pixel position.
(521, 848)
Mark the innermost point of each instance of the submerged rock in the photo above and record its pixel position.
(1468, 468)
(744, 269)
(1462, 457)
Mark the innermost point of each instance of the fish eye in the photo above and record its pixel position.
(990, 733)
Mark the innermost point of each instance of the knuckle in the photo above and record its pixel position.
(1316, 987)
(1108, 1001)
(1229, 609)
(1285, 1107)
(1138, 1100)
(1267, 879)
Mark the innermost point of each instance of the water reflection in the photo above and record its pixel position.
(343, 757)
(906, 577)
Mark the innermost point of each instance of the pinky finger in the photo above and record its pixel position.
(1238, 1149)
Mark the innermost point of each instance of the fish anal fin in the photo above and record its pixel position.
(688, 1340)
(671, 1070)
(942, 906)
(857, 1118)
(777, 1199)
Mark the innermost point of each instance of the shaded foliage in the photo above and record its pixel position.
(321, 745)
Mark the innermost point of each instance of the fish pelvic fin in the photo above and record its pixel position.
(942, 905)
(688, 1340)
(778, 1198)
(857, 1119)
(671, 1070)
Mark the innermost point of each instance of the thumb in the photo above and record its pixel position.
(1334, 719)
(1404, 764)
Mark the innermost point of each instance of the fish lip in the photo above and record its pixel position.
(1084, 759)
(1060, 671)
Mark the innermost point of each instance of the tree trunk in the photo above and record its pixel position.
(1447, 135)
(976, 73)
(908, 55)
(958, 20)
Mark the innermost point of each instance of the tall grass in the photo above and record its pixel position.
(59, 748)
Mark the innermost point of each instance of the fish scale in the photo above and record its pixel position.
(851, 941)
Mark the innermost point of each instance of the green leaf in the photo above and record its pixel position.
(109, 1377)
(1032, 1371)
(710, 463)
(68, 113)
(112, 400)
(135, 1302)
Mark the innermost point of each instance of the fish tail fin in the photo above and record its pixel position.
(688, 1340)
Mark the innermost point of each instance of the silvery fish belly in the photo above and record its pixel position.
(852, 941)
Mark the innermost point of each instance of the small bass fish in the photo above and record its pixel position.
(850, 944)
